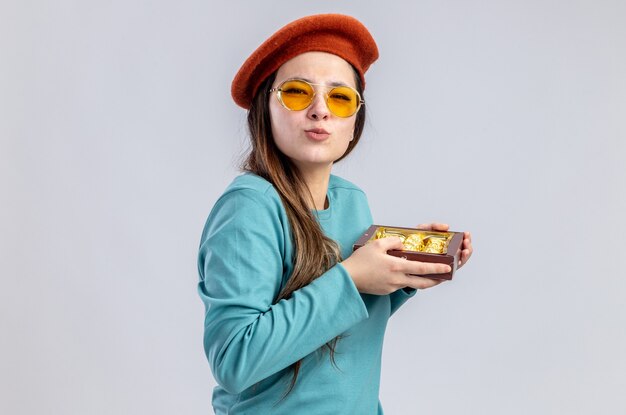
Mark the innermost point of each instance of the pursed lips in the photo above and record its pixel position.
(317, 134)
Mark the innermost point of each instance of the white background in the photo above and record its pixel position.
(504, 118)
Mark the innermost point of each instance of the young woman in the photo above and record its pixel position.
(294, 319)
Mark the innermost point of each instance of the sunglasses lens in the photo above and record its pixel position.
(296, 95)
(343, 101)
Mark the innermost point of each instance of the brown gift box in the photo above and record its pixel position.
(449, 257)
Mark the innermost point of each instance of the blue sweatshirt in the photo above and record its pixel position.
(245, 259)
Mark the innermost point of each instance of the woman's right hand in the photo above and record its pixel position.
(375, 272)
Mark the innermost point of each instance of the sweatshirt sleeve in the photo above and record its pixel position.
(246, 337)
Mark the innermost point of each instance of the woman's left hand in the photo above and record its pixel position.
(466, 248)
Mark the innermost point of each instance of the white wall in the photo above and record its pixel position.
(505, 118)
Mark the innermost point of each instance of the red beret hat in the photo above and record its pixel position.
(338, 34)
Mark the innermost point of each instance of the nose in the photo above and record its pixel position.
(318, 110)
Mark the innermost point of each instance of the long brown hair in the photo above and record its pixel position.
(315, 253)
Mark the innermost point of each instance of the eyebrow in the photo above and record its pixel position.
(336, 83)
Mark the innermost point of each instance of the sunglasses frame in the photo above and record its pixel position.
(279, 91)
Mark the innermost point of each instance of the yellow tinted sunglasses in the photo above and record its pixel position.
(297, 95)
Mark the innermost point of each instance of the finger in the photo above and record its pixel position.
(465, 256)
(389, 243)
(425, 268)
(467, 241)
(433, 226)
(443, 227)
(467, 245)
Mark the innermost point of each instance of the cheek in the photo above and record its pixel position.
(279, 116)
(280, 129)
(348, 132)
(347, 135)
(275, 121)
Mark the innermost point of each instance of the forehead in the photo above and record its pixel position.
(319, 67)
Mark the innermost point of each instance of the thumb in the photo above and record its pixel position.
(390, 242)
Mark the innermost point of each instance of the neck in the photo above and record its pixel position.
(317, 181)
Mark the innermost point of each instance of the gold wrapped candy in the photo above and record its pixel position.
(414, 242)
(422, 241)
(436, 244)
